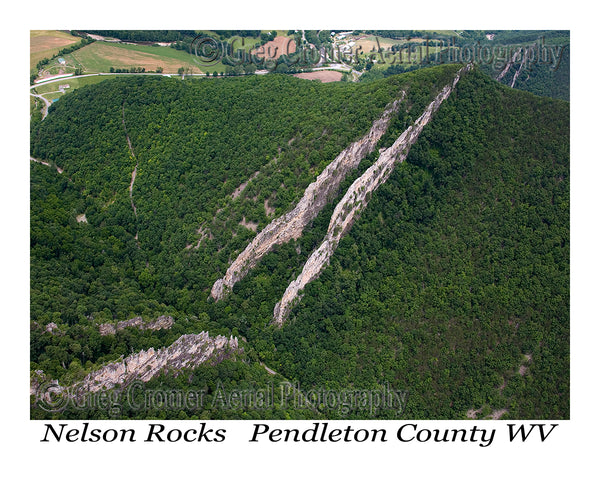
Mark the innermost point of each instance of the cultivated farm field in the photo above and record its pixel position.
(100, 56)
(324, 76)
(46, 43)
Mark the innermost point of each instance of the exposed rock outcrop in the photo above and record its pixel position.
(355, 200)
(107, 329)
(51, 327)
(187, 351)
(526, 54)
(317, 194)
(158, 324)
(508, 65)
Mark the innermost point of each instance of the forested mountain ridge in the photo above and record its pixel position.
(315, 197)
(468, 238)
(356, 199)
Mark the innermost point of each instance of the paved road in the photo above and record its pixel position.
(55, 79)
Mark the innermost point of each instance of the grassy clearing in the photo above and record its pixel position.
(247, 43)
(99, 57)
(53, 96)
(51, 91)
(46, 43)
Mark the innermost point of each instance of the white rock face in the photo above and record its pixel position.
(317, 194)
(187, 351)
(355, 200)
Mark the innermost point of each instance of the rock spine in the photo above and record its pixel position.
(188, 351)
(355, 200)
(317, 194)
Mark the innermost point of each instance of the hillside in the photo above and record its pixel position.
(450, 282)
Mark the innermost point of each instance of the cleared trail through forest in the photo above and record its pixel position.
(316, 196)
(58, 169)
(355, 200)
(133, 174)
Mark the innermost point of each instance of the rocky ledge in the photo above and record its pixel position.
(355, 200)
(188, 351)
(160, 323)
(316, 196)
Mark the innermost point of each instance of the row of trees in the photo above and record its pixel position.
(145, 35)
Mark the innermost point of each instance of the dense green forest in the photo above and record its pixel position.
(544, 70)
(454, 279)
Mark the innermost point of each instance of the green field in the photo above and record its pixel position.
(99, 57)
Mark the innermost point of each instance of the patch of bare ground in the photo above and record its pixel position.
(81, 218)
(270, 371)
(523, 368)
(58, 169)
(497, 414)
(237, 192)
(250, 225)
(111, 201)
(204, 233)
(472, 414)
(96, 37)
(325, 76)
(46, 42)
(275, 48)
(39, 161)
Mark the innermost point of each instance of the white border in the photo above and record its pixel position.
(568, 450)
